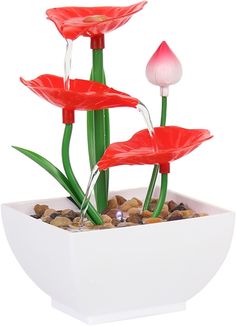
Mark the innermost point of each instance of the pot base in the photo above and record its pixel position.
(118, 316)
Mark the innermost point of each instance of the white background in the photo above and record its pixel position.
(202, 34)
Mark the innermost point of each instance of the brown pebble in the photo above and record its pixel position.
(165, 212)
(133, 211)
(61, 221)
(69, 213)
(103, 226)
(129, 204)
(140, 203)
(89, 224)
(146, 213)
(112, 203)
(106, 218)
(151, 220)
(76, 219)
(152, 205)
(171, 205)
(74, 226)
(188, 213)
(120, 200)
(115, 222)
(180, 207)
(49, 211)
(40, 209)
(175, 215)
(136, 219)
(46, 219)
(35, 216)
(125, 206)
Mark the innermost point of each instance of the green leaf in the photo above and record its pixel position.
(51, 169)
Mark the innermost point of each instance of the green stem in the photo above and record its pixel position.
(163, 110)
(151, 187)
(92, 213)
(98, 134)
(162, 196)
(156, 167)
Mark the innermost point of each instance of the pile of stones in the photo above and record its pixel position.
(120, 212)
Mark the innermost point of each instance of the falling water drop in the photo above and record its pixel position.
(92, 181)
(67, 64)
(147, 118)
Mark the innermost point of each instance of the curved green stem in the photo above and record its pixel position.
(162, 196)
(98, 134)
(151, 187)
(156, 167)
(93, 214)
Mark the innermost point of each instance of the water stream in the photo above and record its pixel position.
(147, 118)
(92, 181)
(67, 64)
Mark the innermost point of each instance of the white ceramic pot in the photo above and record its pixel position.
(121, 273)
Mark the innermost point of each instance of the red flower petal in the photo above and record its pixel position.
(83, 94)
(73, 22)
(173, 143)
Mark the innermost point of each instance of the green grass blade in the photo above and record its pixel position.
(51, 169)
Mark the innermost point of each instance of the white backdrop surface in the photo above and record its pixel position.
(202, 34)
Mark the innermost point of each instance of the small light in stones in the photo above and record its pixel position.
(119, 216)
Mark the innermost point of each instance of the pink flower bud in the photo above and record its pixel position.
(164, 68)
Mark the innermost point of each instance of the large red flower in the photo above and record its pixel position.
(82, 95)
(172, 143)
(73, 22)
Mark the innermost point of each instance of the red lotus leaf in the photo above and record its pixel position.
(172, 143)
(82, 95)
(73, 22)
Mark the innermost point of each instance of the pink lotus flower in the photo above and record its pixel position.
(164, 68)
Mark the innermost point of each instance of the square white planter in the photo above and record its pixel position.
(121, 273)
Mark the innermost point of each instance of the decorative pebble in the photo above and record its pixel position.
(61, 221)
(120, 200)
(151, 220)
(106, 219)
(152, 205)
(69, 213)
(112, 203)
(133, 211)
(129, 204)
(40, 209)
(76, 219)
(171, 205)
(88, 224)
(146, 213)
(140, 203)
(115, 222)
(180, 207)
(46, 219)
(188, 213)
(136, 219)
(164, 212)
(35, 216)
(175, 215)
(49, 211)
